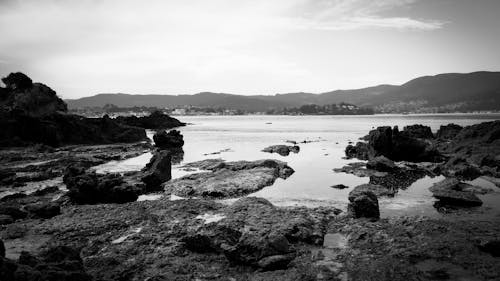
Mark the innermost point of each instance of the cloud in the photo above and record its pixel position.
(360, 14)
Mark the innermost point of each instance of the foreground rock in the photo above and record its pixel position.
(91, 188)
(453, 192)
(157, 171)
(363, 204)
(156, 120)
(32, 113)
(381, 163)
(283, 150)
(228, 179)
(171, 140)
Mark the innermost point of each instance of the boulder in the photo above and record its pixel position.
(360, 151)
(2, 249)
(451, 191)
(448, 132)
(363, 205)
(339, 186)
(172, 139)
(283, 150)
(381, 163)
(43, 210)
(156, 120)
(157, 171)
(91, 188)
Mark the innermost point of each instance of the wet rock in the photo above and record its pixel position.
(453, 192)
(172, 139)
(229, 179)
(358, 169)
(381, 163)
(378, 190)
(91, 188)
(275, 262)
(283, 150)
(339, 186)
(363, 205)
(401, 178)
(6, 219)
(156, 120)
(46, 190)
(2, 249)
(14, 231)
(360, 151)
(157, 171)
(448, 132)
(491, 161)
(418, 131)
(460, 167)
(13, 211)
(43, 210)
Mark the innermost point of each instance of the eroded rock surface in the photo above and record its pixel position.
(283, 150)
(453, 192)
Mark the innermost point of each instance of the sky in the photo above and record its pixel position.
(85, 47)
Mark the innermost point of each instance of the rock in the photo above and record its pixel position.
(14, 231)
(43, 210)
(448, 132)
(91, 188)
(491, 161)
(157, 171)
(156, 120)
(380, 142)
(13, 211)
(17, 81)
(229, 179)
(360, 151)
(283, 150)
(378, 190)
(363, 205)
(275, 262)
(460, 167)
(339, 186)
(491, 247)
(46, 190)
(358, 169)
(172, 139)
(381, 163)
(451, 191)
(6, 219)
(2, 249)
(419, 131)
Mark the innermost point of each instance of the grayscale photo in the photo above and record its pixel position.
(249, 140)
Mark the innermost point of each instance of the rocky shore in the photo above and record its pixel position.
(62, 220)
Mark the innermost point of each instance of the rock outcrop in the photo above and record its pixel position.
(33, 113)
(228, 179)
(92, 188)
(363, 204)
(453, 192)
(156, 120)
(283, 150)
(157, 171)
(448, 132)
(171, 140)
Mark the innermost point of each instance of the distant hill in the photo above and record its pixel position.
(443, 92)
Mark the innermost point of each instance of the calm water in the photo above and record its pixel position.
(243, 138)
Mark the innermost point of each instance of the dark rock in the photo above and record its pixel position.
(451, 191)
(448, 132)
(491, 161)
(360, 151)
(419, 131)
(157, 171)
(156, 120)
(378, 190)
(91, 188)
(13, 197)
(380, 142)
(14, 231)
(17, 81)
(43, 210)
(6, 219)
(381, 163)
(2, 249)
(363, 205)
(283, 150)
(13, 211)
(275, 262)
(45, 191)
(491, 247)
(172, 139)
(339, 186)
(460, 167)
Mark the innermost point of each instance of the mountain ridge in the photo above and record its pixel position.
(474, 91)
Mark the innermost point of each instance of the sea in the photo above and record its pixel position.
(234, 138)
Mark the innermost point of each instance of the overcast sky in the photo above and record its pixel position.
(84, 47)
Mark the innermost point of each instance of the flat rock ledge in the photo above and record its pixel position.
(228, 179)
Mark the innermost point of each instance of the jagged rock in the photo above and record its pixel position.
(451, 191)
(156, 120)
(283, 150)
(157, 171)
(170, 140)
(339, 186)
(419, 131)
(229, 179)
(363, 205)
(448, 132)
(91, 188)
(360, 151)
(381, 163)
(43, 210)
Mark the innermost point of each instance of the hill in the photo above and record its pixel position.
(443, 92)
